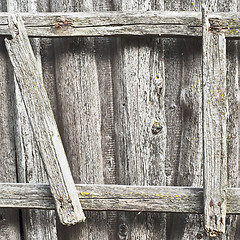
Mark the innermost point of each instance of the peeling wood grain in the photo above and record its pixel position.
(215, 114)
(43, 124)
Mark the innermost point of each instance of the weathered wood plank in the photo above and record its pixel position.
(108, 23)
(100, 197)
(79, 105)
(107, 197)
(104, 49)
(215, 113)
(36, 223)
(140, 126)
(9, 218)
(39, 111)
(183, 60)
(10, 227)
(168, 23)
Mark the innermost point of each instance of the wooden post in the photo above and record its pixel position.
(43, 124)
(215, 113)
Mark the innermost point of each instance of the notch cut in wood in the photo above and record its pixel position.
(215, 113)
(30, 81)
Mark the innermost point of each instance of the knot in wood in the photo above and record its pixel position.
(156, 127)
(123, 230)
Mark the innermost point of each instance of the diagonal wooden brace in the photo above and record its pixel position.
(215, 113)
(30, 81)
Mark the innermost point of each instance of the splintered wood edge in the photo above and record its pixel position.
(38, 108)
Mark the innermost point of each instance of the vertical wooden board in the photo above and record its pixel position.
(215, 114)
(140, 127)
(104, 48)
(190, 156)
(233, 119)
(188, 223)
(79, 106)
(9, 218)
(183, 112)
(173, 61)
(36, 223)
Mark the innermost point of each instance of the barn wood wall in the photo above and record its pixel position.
(106, 94)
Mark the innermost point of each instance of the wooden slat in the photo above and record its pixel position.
(141, 128)
(9, 218)
(107, 197)
(167, 23)
(215, 113)
(115, 197)
(43, 124)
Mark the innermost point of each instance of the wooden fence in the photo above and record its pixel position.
(210, 95)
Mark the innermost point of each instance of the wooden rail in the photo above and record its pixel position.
(116, 197)
(162, 24)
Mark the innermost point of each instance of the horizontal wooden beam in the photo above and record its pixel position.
(116, 197)
(162, 24)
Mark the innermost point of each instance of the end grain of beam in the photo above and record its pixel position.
(29, 79)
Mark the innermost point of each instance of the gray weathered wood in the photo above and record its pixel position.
(104, 47)
(108, 197)
(79, 105)
(123, 23)
(108, 23)
(215, 113)
(9, 224)
(183, 60)
(43, 124)
(36, 223)
(139, 109)
(99, 197)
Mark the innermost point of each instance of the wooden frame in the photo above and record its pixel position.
(139, 198)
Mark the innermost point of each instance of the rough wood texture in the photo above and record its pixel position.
(123, 23)
(37, 224)
(183, 110)
(182, 67)
(79, 107)
(99, 197)
(9, 218)
(109, 197)
(104, 51)
(43, 124)
(139, 88)
(215, 114)
(232, 121)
